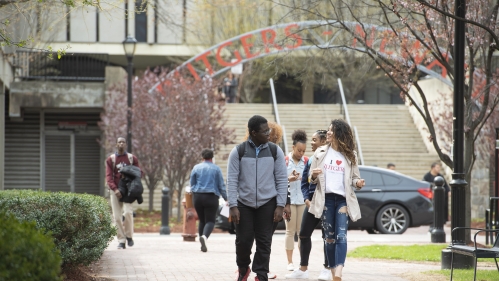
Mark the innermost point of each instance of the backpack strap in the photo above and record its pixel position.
(273, 150)
(306, 160)
(241, 148)
(287, 160)
(113, 159)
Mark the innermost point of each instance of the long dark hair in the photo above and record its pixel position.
(344, 136)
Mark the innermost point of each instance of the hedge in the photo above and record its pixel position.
(80, 224)
(26, 254)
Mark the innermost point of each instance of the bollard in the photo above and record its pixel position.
(165, 212)
(438, 234)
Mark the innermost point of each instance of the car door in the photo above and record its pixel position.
(369, 197)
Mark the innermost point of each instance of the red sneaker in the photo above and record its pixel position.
(240, 277)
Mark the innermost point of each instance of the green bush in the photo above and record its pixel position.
(80, 223)
(26, 253)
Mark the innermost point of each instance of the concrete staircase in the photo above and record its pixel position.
(387, 134)
(308, 117)
(237, 118)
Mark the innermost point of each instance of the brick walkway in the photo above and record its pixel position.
(156, 257)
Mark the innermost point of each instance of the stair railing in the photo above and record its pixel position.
(276, 112)
(347, 116)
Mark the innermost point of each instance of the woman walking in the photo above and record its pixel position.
(296, 162)
(336, 173)
(207, 185)
(309, 222)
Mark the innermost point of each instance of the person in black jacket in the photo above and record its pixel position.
(430, 177)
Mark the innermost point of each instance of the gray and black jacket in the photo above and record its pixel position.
(253, 180)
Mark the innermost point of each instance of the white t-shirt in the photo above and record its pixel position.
(334, 172)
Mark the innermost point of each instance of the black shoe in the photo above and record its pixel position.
(242, 274)
(130, 242)
(121, 246)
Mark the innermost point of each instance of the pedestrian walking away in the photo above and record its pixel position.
(257, 189)
(309, 221)
(335, 171)
(295, 162)
(207, 185)
(114, 163)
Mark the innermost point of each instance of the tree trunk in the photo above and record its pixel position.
(179, 198)
(151, 198)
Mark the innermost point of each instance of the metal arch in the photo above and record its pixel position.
(325, 45)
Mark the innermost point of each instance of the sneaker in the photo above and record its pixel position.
(241, 277)
(298, 274)
(202, 239)
(271, 276)
(121, 246)
(325, 275)
(130, 242)
(291, 267)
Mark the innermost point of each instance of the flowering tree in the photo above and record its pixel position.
(405, 37)
(170, 126)
(193, 120)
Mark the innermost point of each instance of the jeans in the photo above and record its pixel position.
(308, 224)
(255, 224)
(335, 225)
(206, 205)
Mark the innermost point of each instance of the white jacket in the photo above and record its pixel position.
(352, 176)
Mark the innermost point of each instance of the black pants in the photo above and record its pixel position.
(308, 224)
(206, 205)
(257, 225)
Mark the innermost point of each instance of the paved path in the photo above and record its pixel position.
(157, 257)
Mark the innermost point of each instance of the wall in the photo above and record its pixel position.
(480, 180)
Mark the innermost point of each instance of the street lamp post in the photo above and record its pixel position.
(458, 183)
(129, 47)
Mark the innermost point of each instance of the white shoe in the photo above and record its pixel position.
(298, 274)
(291, 267)
(271, 276)
(325, 275)
(202, 239)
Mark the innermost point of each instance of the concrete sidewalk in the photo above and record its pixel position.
(167, 257)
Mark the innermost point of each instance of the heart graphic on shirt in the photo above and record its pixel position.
(338, 162)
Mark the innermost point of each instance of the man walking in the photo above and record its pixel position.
(113, 163)
(257, 189)
(430, 177)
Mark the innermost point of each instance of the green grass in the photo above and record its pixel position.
(431, 252)
(466, 275)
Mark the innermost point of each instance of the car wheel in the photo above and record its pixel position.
(232, 229)
(392, 219)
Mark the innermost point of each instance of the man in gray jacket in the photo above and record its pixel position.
(257, 186)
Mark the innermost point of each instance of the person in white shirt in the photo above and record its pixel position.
(334, 169)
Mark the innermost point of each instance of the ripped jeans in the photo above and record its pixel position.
(335, 226)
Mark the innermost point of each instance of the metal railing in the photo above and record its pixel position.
(347, 117)
(70, 67)
(276, 112)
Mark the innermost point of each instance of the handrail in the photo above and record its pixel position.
(347, 116)
(276, 112)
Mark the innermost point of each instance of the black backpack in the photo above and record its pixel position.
(241, 148)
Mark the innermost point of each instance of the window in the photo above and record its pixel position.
(371, 178)
(390, 180)
(141, 20)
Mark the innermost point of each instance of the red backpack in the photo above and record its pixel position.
(304, 157)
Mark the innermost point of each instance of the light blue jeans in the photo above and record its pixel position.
(335, 225)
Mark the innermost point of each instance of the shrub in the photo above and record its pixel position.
(80, 224)
(26, 253)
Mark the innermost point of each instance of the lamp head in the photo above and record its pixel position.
(129, 46)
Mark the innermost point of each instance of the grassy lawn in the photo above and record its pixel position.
(429, 252)
(466, 275)
(422, 253)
